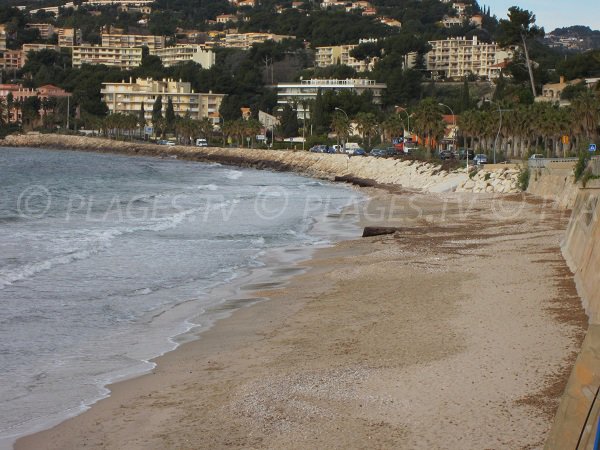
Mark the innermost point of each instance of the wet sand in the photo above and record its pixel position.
(458, 331)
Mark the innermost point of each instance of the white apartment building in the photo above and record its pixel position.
(133, 40)
(119, 2)
(128, 97)
(123, 57)
(296, 94)
(458, 57)
(246, 40)
(340, 54)
(185, 52)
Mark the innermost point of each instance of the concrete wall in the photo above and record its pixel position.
(554, 182)
(577, 416)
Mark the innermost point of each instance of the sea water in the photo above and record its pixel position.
(105, 260)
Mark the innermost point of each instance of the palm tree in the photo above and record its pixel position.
(205, 127)
(586, 115)
(251, 128)
(427, 120)
(340, 125)
(392, 126)
(367, 125)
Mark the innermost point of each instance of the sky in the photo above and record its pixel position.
(552, 14)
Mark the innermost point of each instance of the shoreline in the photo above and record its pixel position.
(365, 171)
(227, 299)
(262, 334)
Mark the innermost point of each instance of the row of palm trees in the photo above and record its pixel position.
(512, 130)
(544, 127)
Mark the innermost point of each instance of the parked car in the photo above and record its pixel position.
(349, 147)
(447, 154)
(319, 149)
(166, 142)
(359, 152)
(329, 150)
(382, 152)
(201, 142)
(480, 158)
(537, 156)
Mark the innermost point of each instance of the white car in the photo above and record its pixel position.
(201, 142)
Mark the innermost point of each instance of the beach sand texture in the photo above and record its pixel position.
(456, 332)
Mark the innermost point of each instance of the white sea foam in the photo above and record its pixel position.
(233, 174)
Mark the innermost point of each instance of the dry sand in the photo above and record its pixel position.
(456, 332)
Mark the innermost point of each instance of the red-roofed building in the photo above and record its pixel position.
(20, 94)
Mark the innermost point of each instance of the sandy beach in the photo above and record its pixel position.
(457, 331)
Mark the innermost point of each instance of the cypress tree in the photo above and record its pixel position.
(170, 115)
(157, 109)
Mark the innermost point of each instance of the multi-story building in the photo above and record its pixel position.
(224, 18)
(300, 93)
(119, 2)
(123, 57)
(20, 94)
(133, 40)
(68, 37)
(458, 57)
(246, 40)
(37, 47)
(340, 54)
(2, 38)
(183, 53)
(11, 59)
(46, 29)
(128, 97)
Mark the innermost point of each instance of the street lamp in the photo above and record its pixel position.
(454, 125)
(347, 118)
(500, 110)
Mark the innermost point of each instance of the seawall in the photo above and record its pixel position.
(554, 182)
(401, 173)
(576, 421)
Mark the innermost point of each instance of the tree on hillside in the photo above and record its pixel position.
(517, 30)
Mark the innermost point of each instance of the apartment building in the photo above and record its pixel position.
(46, 29)
(37, 47)
(2, 38)
(299, 93)
(340, 54)
(68, 37)
(119, 2)
(133, 40)
(183, 53)
(11, 59)
(245, 41)
(128, 97)
(224, 18)
(456, 58)
(123, 57)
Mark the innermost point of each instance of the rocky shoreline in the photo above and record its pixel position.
(400, 173)
(363, 171)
